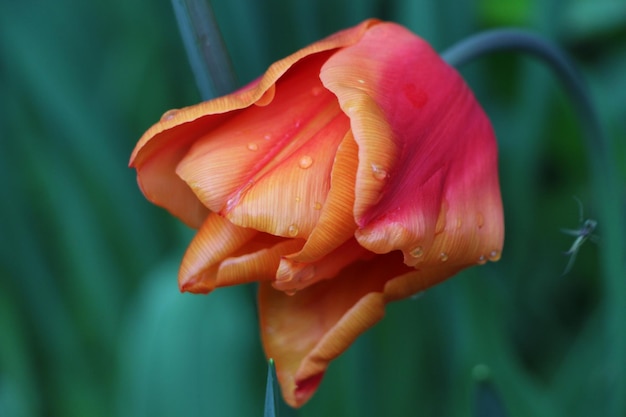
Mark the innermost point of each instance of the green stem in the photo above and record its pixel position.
(205, 48)
(606, 192)
(517, 40)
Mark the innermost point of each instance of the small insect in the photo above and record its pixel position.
(582, 234)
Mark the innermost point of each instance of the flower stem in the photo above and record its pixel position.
(519, 40)
(205, 48)
(605, 186)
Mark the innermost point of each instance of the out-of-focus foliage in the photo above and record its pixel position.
(92, 324)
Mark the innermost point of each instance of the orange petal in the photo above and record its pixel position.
(336, 222)
(217, 239)
(156, 165)
(226, 162)
(306, 331)
(259, 262)
(161, 148)
(288, 198)
(293, 276)
(283, 185)
(427, 181)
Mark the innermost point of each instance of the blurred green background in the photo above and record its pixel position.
(91, 320)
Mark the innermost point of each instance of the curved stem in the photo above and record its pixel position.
(518, 40)
(205, 48)
(606, 191)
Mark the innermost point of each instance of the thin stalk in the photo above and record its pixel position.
(205, 48)
(605, 186)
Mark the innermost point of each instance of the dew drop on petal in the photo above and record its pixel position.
(305, 162)
(316, 91)
(230, 203)
(317, 205)
(417, 252)
(378, 172)
(253, 146)
(361, 81)
(267, 136)
(290, 293)
(169, 115)
(482, 260)
(298, 199)
(293, 230)
(494, 255)
(443, 256)
(459, 223)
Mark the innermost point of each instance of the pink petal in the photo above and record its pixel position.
(427, 180)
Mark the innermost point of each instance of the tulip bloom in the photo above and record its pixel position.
(358, 171)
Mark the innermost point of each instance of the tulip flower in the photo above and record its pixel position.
(358, 171)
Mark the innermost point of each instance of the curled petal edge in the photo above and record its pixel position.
(163, 145)
(306, 331)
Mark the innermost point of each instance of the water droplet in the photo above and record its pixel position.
(443, 256)
(169, 115)
(293, 230)
(417, 252)
(480, 220)
(290, 293)
(267, 136)
(316, 91)
(494, 255)
(298, 199)
(253, 146)
(482, 260)
(317, 205)
(361, 81)
(305, 162)
(459, 223)
(297, 123)
(378, 172)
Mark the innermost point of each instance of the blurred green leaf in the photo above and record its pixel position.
(271, 391)
(182, 354)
